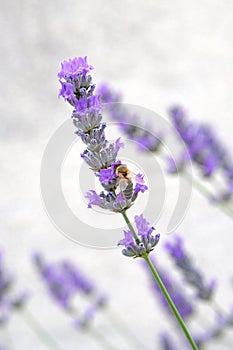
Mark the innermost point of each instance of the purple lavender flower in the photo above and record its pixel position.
(193, 276)
(64, 281)
(67, 91)
(117, 112)
(144, 243)
(100, 155)
(9, 301)
(140, 184)
(73, 67)
(107, 176)
(76, 84)
(120, 191)
(205, 150)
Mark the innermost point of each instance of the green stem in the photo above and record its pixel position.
(39, 330)
(130, 226)
(163, 288)
(170, 303)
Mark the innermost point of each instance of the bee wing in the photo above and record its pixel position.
(123, 184)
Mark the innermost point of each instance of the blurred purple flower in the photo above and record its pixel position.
(192, 275)
(65, 281)
(205, 149)
(146, 140)
(108, 94)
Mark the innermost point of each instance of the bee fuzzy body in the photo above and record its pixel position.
(124, 179)
(128, 192)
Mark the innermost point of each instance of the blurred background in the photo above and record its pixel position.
(156, 53)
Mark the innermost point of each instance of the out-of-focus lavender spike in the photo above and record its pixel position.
(192, 275)
(166, 342)
(147, 141)
(209, 153)
(108, 94)
(79, 280)
(90, 312)
(216, 331)
(64, 281)
(61, 286)
(176, 291)
(9, 301)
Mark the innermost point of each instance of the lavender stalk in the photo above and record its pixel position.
(101, 156)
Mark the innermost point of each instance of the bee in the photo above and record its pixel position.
(124, 180)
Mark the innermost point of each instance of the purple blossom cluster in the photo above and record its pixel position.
(146, 140)
(101, 155)
(9, 301)
(205, 150)
(120, 190)
(191, 274)
(144, 243)
(65, 281)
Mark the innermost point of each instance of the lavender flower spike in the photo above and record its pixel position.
(64, 281)
(209, 153)
(146, 140)
(119, 191)
(145, 243)
(191, 274)
(100, 155)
